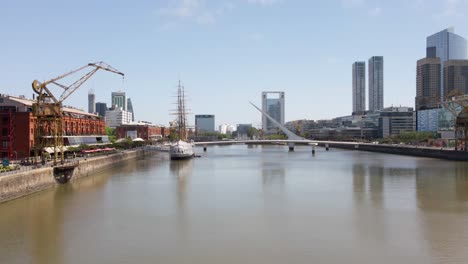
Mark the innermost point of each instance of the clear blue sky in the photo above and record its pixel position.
(225, 51)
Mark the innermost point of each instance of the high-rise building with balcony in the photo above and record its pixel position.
(428, 83)
(456, 76)
(359, 87)
(376, 83)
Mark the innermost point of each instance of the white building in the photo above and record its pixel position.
(226, 129)
(117, 116)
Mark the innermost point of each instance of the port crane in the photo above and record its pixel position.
(457, 103)
(48, 109)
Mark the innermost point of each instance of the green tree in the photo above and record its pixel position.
(252, 132)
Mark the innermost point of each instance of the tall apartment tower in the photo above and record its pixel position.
(428, 83)
(130, 108)
(376, 83)
(359, 87)
(446, 45)
(273, 104)
(119, 99)
(456, 76)
(91, 102)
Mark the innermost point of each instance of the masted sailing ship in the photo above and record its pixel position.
(181, 149)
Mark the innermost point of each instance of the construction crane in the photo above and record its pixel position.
(48, 113)
(456, 102)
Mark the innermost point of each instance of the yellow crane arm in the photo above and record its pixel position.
(42, 90)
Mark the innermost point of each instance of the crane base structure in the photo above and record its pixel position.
(48, 111)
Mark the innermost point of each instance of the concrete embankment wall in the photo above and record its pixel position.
(20, 184)
(404, 150)
(28, 182)
(90, 166)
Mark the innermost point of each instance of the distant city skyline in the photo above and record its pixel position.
(237, 49)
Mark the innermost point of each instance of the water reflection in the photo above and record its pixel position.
(181, 170)
(369, 218)
(273, 173)
(443, 191)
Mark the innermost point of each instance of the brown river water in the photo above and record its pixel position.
(239, 204)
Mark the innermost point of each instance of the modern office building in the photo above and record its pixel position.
(130, 108)
(117, 116)
(446, 45)
(119, 99)
(204, 123)
(376, 83)
(456, 76)
(273, 104)
(101, 109)
(428, 83)
(395, 120)
(359, 87)
(436, 120)
(91, 102)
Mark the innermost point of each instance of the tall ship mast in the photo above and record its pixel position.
(181, 149)
(181, 113)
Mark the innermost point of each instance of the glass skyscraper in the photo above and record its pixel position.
(204, 123)
(376, 83)
(446, 45)
(91, 102)
(130, 108)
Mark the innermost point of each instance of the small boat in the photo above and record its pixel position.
(181, 149)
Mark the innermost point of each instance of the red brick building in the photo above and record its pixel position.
(17, 126)
(140, 130)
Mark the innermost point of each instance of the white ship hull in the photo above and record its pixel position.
(181, 150)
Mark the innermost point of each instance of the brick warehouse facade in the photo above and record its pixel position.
(140, 130)
(17, 126)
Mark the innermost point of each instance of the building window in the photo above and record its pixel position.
(5, 144)
(5, 132)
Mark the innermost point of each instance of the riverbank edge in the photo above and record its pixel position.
(25, 183)
(402, 150)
